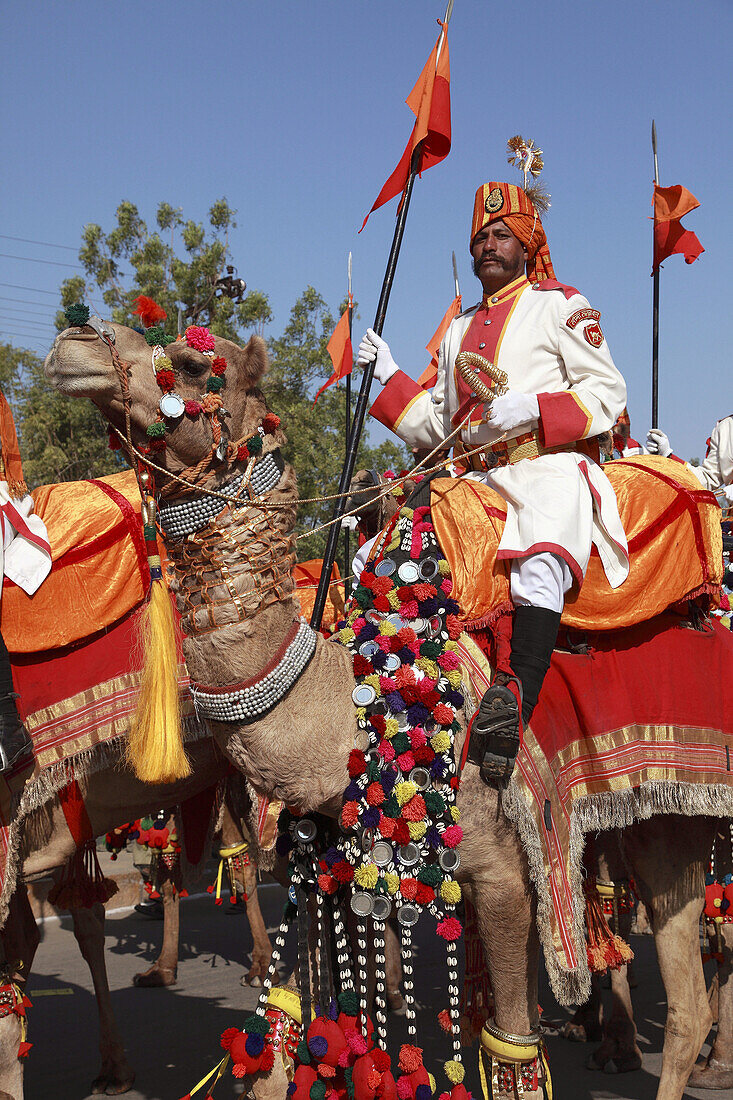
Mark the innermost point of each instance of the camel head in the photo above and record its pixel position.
(80, 364)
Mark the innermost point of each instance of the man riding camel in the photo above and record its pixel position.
(537, 437)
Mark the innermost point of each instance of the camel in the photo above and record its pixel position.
(298, 751)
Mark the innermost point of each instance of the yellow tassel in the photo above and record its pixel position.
(155, 749)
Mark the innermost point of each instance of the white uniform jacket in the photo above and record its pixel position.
(548, 341)
(25, 554)
(717, 469)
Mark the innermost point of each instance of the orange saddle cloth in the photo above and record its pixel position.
(671, 523)
(99, 571)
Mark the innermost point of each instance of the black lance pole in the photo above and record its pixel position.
(347, 553)
(363, 400)
(655, 306)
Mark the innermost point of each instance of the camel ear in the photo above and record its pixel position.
(252, 360)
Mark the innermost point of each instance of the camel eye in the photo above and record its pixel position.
(195, 368)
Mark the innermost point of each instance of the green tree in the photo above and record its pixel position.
(181, 264)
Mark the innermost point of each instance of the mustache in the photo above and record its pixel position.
(488, 256)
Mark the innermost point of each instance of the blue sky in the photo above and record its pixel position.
(295, 112)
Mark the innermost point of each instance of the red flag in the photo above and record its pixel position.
(670, 236)
(341, 352)
(429, 101)
(429, 376)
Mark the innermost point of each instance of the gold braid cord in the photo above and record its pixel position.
(468, 365)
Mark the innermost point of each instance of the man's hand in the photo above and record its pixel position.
(728, 493)
(657, 443)
(513, 409)
(374, 347)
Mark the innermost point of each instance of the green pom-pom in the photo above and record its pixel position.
(302, 1053)
(213, 385)
(401, 742)
(254, 445)
(431, 649)
(317, 1091)
(430, 875)
(434, 803)
(373, 770)
(257, 1025)
(156, 335)
(166, 340)
(156, 430)
(391, 807)
(146, 822)
(363, 597)
(78, 314)
(349, 1003)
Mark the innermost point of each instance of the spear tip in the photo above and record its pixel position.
(654, 136)
(448, 12)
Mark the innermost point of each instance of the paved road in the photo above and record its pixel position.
(171, 1035)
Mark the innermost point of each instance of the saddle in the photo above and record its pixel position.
(673, 531)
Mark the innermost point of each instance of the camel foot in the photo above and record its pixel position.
(112, 1084)
(155, 978)
(255, 977)
(711, 1075)
(396, 1002)
(580, 1033)
(623, 1063)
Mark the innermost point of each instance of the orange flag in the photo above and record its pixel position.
(670, 236)
(341, 352)
(429, 376)
(429, 101)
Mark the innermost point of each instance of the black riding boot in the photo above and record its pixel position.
(495, 733)
(14, 739)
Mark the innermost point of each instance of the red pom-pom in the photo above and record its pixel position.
(270, 423)
(450, 929)
(166, 379)
(408, 888)
(218, 365)
(149, 312)
(375, 794)
(410, 1058)
(357, 763)
(228, 1037)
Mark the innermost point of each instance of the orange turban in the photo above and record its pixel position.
(511, 204)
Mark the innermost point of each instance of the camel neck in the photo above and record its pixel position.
(237, 565)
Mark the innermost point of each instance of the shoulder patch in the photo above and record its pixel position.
(552, 284)
(582, 315)
(593, 334)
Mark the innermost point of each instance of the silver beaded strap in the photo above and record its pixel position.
(183, 517)
(248, 701)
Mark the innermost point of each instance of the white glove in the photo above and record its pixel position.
(374, 347)
(657, 443)
(728, 493)
(512, 409)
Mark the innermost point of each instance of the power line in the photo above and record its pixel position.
(26, 301)
(48, 244)
(12, 308)
(34, 289)
(32, 260)
(26, 321)
(33, 336)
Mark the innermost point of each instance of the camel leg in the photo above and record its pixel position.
(393, 967)
(506, 922)
(164, 970)
(717, 1071)
(20, 939)
(261, 946)
(116, 1075)
(670, 876)
(619, 1051)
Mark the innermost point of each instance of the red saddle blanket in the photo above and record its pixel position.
(671, 523)
(640, 724)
